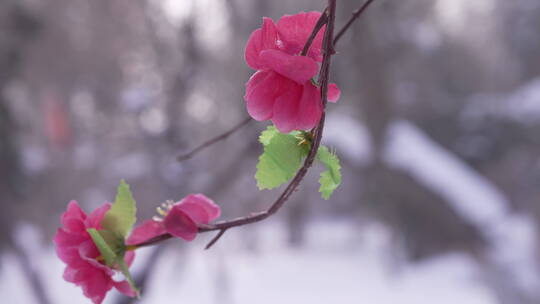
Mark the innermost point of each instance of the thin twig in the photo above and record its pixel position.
(293, 185)
(155, 240)
(215, 239)
(353, 18)
(320, 23)
(328, 51)
(212, 141)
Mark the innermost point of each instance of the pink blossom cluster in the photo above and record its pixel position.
(75, 247)
(282, 89)
(181, 219)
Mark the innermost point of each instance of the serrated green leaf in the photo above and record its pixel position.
(330, 178)
(108, 253)
(281, 158)
(122, 215)
(267, 135)
(125, 271)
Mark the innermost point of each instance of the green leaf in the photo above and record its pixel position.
(331, 177)
(267, 135)
(125, 271)
(122, 215)
(281, 158)
(112, 250)
(115, 242)
(108, 253)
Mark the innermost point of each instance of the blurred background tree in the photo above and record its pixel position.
(95, 91)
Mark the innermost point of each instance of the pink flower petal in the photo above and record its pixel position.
(179, 224)
(94, 219)
(310, 107)
(294, 30)
(70, 274)
(261, 39)
(96, 286)
(147, 230)
(124, 288)
(129, 257)
(297, 68)
(73, 218)
(79, 275)
(70, 256)
(261, 91)
(66, 239)
(286, 108)
(333, 93)
(199, 208)
(89, 252)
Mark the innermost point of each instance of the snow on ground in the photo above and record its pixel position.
(338, 264)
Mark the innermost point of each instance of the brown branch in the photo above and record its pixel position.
(353, 18)
(320, 23)
(222, 226)
(215, 239)
(212, 141)
(328, 51)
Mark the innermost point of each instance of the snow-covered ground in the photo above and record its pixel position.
(338, 264)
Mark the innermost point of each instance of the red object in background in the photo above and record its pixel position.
(56, 120)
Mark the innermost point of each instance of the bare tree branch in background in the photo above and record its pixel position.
(35, 283)
(356, 14)
(214, 140)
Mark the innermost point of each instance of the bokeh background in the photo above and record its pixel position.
(437, 130)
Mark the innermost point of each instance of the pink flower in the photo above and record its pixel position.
(181, 219)
(75, 247)
(281, 90)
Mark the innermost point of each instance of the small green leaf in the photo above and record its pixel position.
(112, 250)
(267, 135)
(125, 271)
(115, 242)
(104, 248)
(331, 177)
(281, 158)
(122, 215)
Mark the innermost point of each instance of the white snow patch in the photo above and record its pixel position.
(472, 196)
(521, 105)
(349, 137)
(327, 269)
(13, 285)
